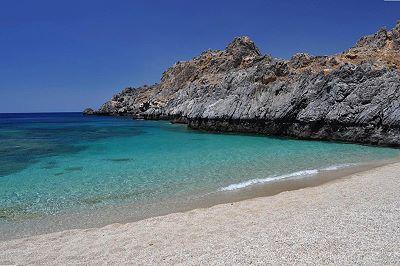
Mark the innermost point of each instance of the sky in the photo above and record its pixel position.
(60, 56)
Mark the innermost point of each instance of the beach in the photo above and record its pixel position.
(141, 133)
(350, 220)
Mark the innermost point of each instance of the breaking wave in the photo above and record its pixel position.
(297, 174)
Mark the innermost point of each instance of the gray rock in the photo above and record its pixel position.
(396, 35)
(377, 40)
(88, 111)
(240, 90)
(300, 60)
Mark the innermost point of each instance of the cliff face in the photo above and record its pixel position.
(352, 96)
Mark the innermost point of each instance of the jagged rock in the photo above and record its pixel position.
(351, 56)
(300, 60)
(268, 78)
(340, 97)
(243, 46)
(88, 111)
(396, 36)
(377, 40)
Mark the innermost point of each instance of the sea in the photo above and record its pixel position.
(66, 170)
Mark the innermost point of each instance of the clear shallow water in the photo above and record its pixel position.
(57, 163)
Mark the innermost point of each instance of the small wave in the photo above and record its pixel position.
(303, 173)
(337, 166)
(268, 179)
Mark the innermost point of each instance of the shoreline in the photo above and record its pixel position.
(86, 189)
(352, 220)
(130, 213)
(198, 127)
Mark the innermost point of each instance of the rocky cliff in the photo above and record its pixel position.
(353, 96)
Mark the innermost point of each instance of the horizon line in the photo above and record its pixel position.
(40, 112)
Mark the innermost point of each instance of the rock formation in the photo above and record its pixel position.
(353, 96)
(88, 111)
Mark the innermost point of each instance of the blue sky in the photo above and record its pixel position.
(67, 55)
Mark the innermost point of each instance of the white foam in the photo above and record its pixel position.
(268, 179)
(337, 167)
(298, 174)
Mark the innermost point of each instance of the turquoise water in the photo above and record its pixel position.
(56, 163)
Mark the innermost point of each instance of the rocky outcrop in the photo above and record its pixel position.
(353, 96)
(88, 111)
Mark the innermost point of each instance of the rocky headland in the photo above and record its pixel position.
(352, 96)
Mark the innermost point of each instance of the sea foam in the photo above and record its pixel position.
(298, 174)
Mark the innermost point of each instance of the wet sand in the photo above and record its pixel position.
(351, 220)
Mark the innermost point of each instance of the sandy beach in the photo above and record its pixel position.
(347, 221)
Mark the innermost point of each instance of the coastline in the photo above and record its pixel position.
(128, 213)
(331, 97)
(352, 219)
